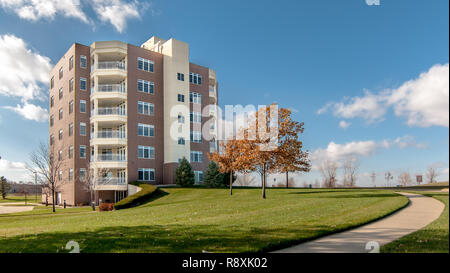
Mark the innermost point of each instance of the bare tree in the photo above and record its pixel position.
(328, 169)
(47, 166)
(373, 177)
(431, 174)
(388, 176)
(89, 180)
(316, 184)
(404, 179)
(350, 166)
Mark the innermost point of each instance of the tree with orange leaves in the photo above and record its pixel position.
(268, 143)
(227, 158)
(290, 157)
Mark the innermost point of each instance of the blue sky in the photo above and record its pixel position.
(360, 65)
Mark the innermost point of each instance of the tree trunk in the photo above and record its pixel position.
(287, 179)
(264, 182)
(53, 199)
(231, 183)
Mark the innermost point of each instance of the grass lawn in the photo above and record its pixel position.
(196, 220)
(10, 198)
(432, 238)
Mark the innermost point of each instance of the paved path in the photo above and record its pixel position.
(420, 212)
(13, 209)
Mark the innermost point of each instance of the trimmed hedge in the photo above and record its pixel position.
(138, 198)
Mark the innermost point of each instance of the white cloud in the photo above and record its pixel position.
(117, 12)
(34, 10)
(344, 124)
(338, 152)
(424, 101)
(23, 72)
(14, 171)
(30, 111)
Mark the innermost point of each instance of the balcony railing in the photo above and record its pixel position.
(110, 134)
(111, 65)
(110, 111)
(111, 181)
(111, 158)
(110, 88)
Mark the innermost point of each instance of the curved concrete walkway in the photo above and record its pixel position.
(420, 212)
(13, 209)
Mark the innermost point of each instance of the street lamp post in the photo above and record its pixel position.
(36, 188)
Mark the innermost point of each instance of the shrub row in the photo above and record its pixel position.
(138, 198)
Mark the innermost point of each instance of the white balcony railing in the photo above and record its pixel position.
(103, 111)
(111, 158)
(110, 181)
(110, 88)
(111, 65)
(110, 134)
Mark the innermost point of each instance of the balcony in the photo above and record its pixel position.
(110, 183)
(109, 161)
(109, 138)
(110, 65)
(110, 92)
(113, 70)
(111, 116)
(212, 95)
(110, 158)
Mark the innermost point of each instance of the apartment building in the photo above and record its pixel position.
(122, 113)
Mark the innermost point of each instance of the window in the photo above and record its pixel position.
(70, 151)
(71, 85)
(60, 175)
(146, 130)
(180, 119)
(83, 84)
(60, 116)
(180, 98)
(70, 63)
(51, 121)
(83, 61)
(196, 156)
(52, 139)
(146, 174)
(82, 174)
(195, 98)
(59, 155)
(146, 108)
(146, 86)
(181, 141)
(196, 136)
(145, 65)
(71, 107)
(60, 73)
(70, 174)
(198, 177)
(146, 152)
(82, 106)
(180, 77)
(195, 78)
(52, 82)
(82, 151)
(52, 101)
(196, 117)
(60, 134)
(60, 93)
(82, 128)
(71, 129)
